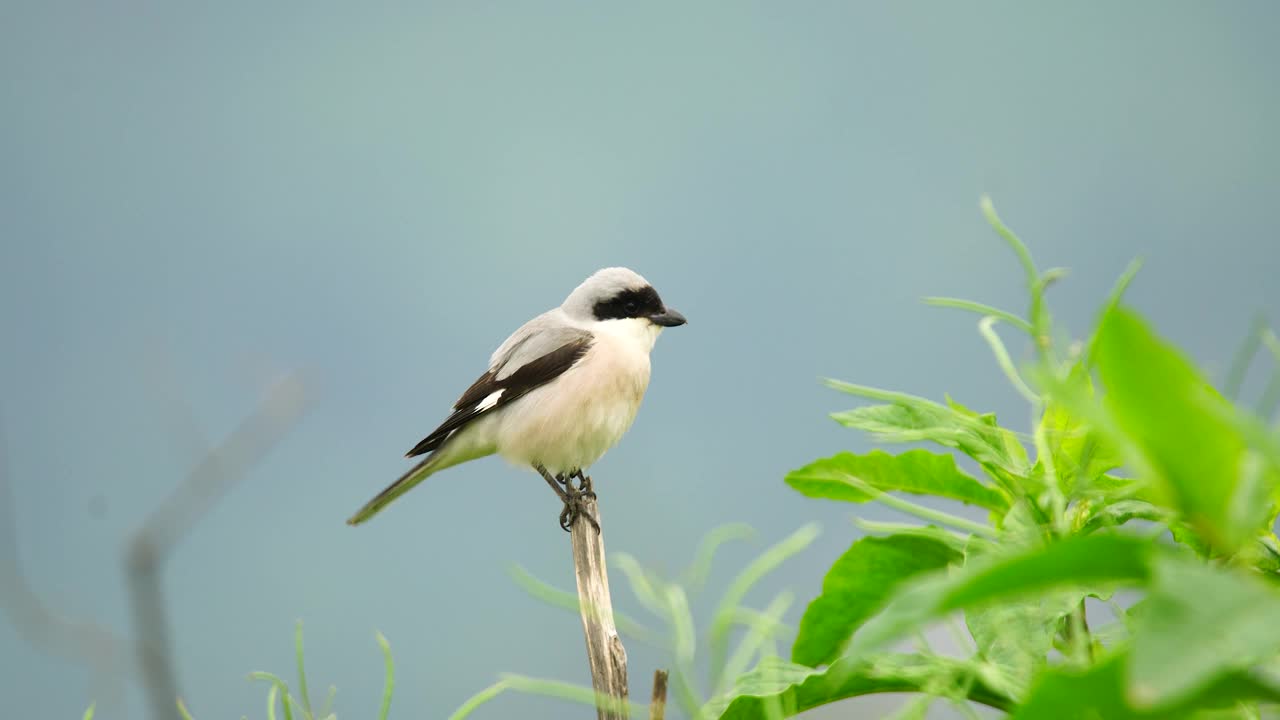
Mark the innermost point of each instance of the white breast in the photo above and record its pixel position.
(569, 423)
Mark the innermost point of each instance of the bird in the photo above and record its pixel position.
(558, 393)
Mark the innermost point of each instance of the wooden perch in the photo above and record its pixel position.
(605, 653)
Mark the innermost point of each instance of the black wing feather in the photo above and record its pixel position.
(528, 377)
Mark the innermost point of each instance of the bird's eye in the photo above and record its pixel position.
(632, 307)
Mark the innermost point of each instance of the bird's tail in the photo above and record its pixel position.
(416, 474)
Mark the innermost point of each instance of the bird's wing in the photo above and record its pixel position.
(531, 357)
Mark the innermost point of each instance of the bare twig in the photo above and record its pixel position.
(102, 650)
(605, 653)
(658, 705)
(43, 627)
(220, 469)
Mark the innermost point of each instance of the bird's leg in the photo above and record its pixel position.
(554, 482)
(584, 484)
(570, 496)
(566, 494)
(583, 491)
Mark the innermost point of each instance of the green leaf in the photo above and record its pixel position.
(955, 541)
(1199, 623)
(1122, 511)
(1179, 428)
(1098, 692)
(797, 688)
(916, 471)
(1020, 528)
(1115, 487)
(857, 585)
(1005, 442)
(1016, 637)
(1074, 561)
(908, 418)
(1077, 562)
(1069, 694)
(88, 713)
(1263, 555)
(1080, 454)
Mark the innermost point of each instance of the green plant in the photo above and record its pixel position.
(668, 600)
(299, 706)
(1136, 476)
(1187, 529)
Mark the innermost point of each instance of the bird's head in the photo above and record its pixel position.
(619, 294)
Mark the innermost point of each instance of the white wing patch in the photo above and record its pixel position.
(490, 400)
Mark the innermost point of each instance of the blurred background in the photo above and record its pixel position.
(199, 198)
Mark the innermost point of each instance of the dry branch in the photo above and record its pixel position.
(605, 653)
(219, 470)
(42, 626)
(658, 704)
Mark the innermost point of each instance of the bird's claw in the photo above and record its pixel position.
(573, 501)
(573, 509)
(584, 484)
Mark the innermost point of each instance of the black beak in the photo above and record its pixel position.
(667, 318)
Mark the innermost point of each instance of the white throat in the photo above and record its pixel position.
(639, 333)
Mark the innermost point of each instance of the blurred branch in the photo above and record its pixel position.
(219, 470)
(42, 626)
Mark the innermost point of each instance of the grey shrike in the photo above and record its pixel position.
(558, 393)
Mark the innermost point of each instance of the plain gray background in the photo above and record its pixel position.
(198, 197)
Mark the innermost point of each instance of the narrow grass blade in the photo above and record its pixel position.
(556, 597)
(981, 309)
(641, 586)
(1019, 247)
(750, 575)
(986, 327)
(389, 685)
(1243, 358)
(762, 626)
(1270, 398)
(572, 693)
(480, 698)
(684, 642)
(924, 513)
(302, 673)
(701, 567)
(327, 709)
(281, 686)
